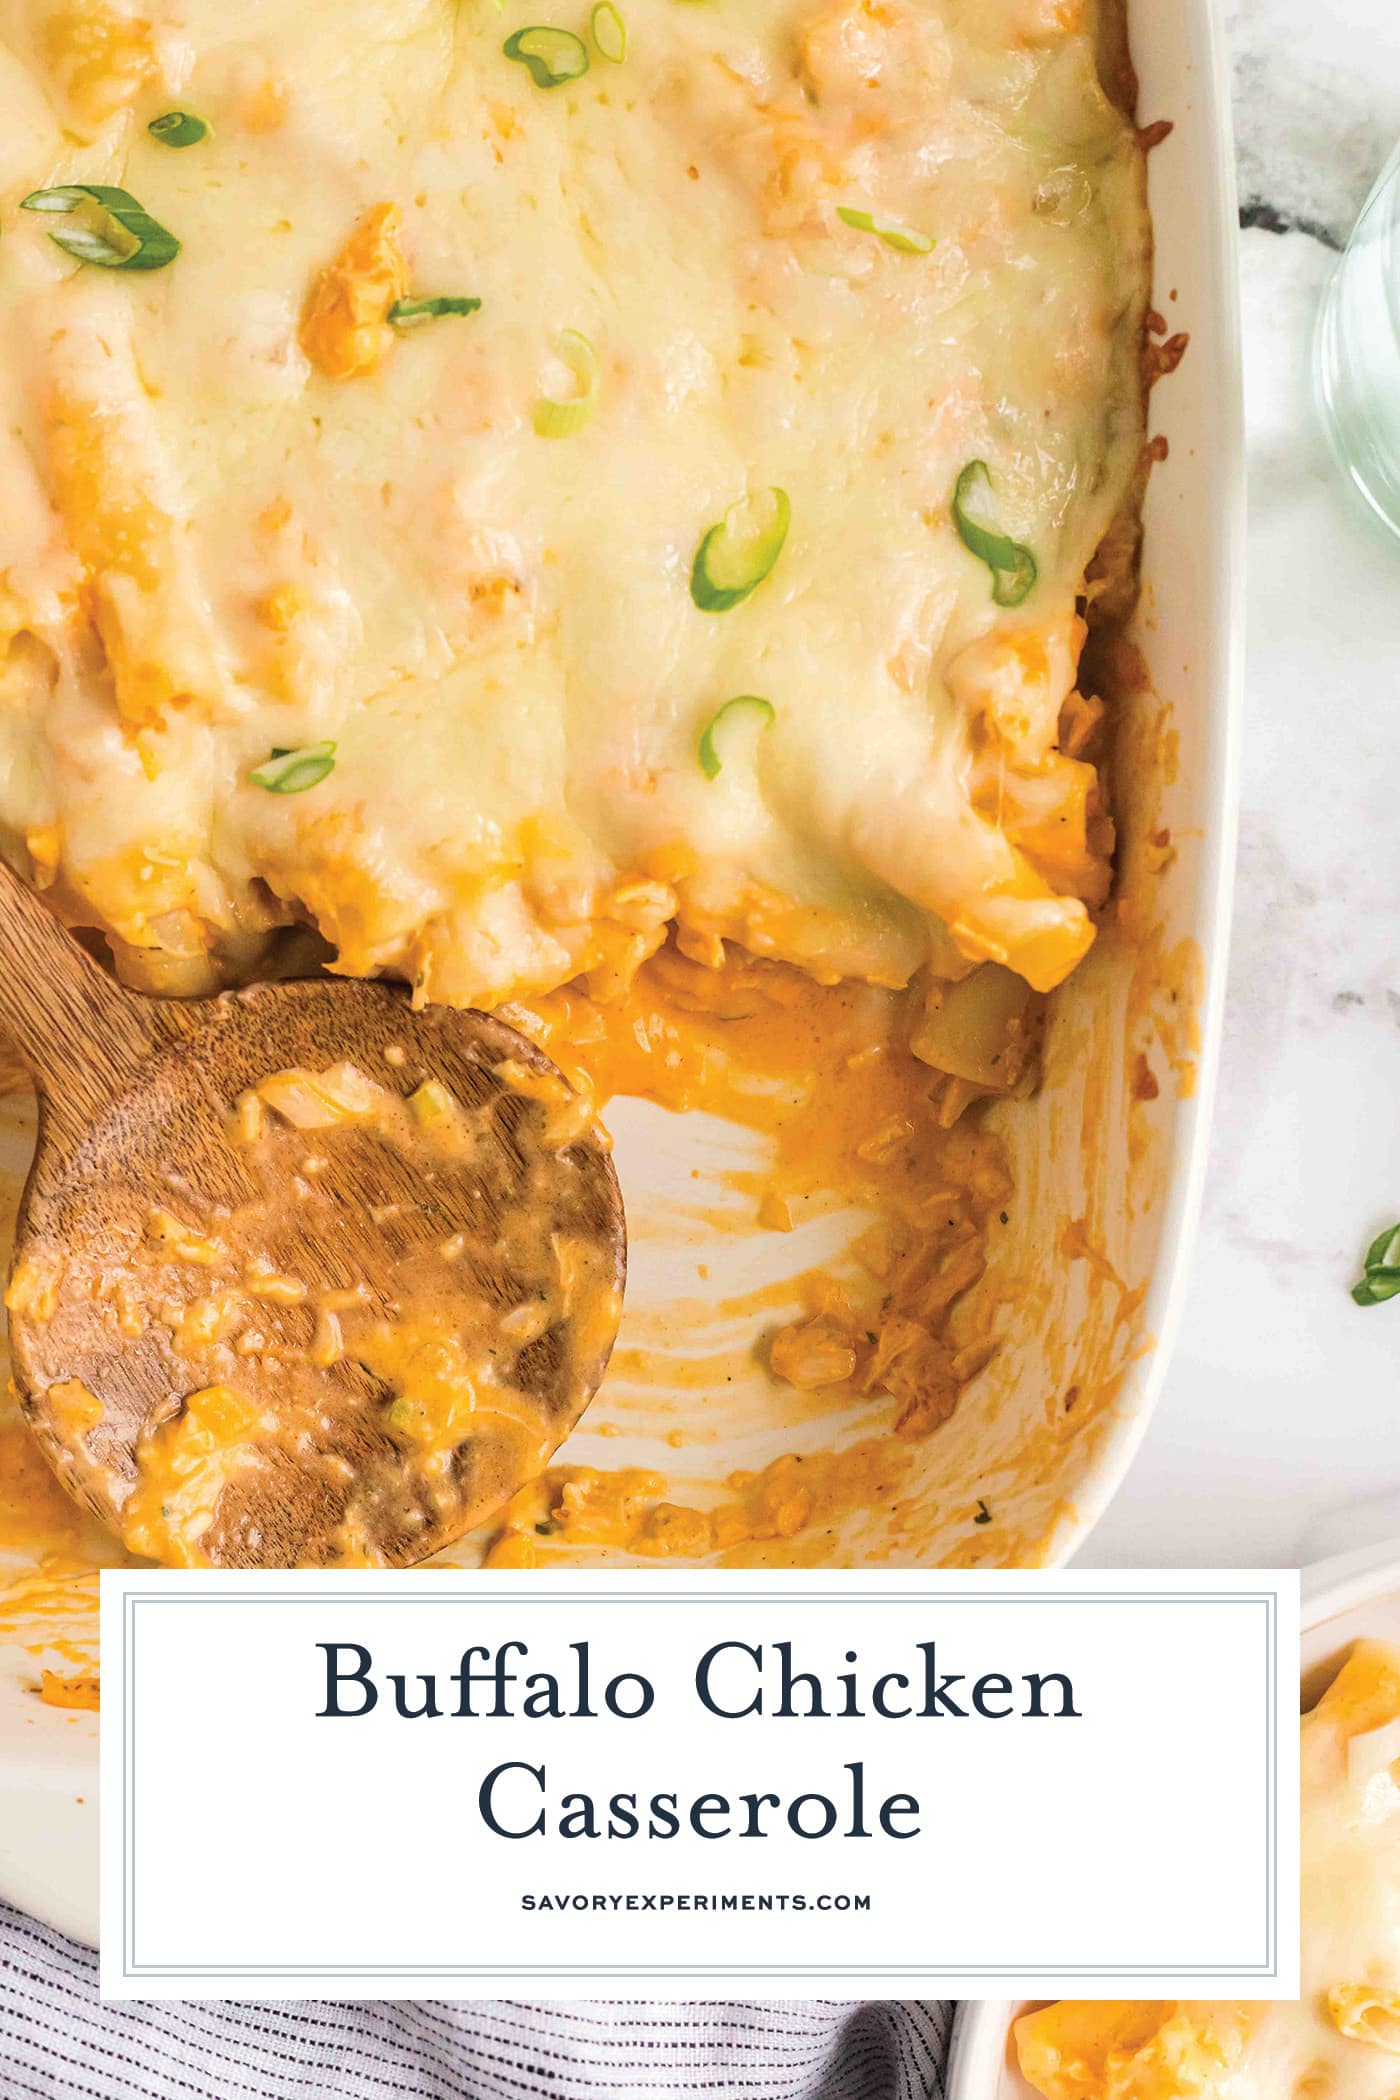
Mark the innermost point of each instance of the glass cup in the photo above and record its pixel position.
(1358, 351)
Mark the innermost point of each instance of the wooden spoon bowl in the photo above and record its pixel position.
(302, 1277)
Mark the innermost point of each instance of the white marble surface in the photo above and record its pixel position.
(1278, 1435)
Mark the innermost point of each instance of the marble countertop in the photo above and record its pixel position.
(1277, 1438)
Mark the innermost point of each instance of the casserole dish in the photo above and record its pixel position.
(1107, 1160)
(1353, 1597)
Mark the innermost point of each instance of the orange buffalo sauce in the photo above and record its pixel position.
(854, 1120)
(80, 1691)
(851, 1122)
(48, 1611)
(783, 1515)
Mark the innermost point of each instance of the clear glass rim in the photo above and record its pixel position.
(1348, 424)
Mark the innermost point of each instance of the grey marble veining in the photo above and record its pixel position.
(1317, 108)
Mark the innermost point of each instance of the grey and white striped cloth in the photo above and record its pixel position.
(57, 2041)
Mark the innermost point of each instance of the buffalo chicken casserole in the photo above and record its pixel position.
(1341, 2040)
(621, 519)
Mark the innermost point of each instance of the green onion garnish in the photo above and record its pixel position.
(609, 32)
(553, 55)
(1381, 1279)
(734, 556)
(753, 703)
(890, 231)
(106, 226)
(293, 772)
(412, 313)
(178, 127)
(560, 419)
(1013, 567)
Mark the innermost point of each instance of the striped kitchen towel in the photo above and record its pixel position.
(57, 2041)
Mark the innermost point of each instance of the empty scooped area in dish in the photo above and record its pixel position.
(867, 1318)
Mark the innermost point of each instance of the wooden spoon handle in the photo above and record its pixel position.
(80, 1034)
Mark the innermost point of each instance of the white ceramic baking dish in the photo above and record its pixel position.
(1351, 1598)
(1091, 1267)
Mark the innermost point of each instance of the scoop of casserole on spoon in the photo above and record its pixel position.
(301, 1277)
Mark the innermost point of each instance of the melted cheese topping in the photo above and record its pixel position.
(245, 513)
(1341, 2040)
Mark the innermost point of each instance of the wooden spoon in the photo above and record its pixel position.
(339, 1320)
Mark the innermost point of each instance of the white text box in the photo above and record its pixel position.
(1017, 1784)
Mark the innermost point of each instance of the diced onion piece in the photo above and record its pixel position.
(1013, 567)
(968, 1028)
(1063, 196)
(811, 1354)
(609, 32)
(105, 226)
(319, 1100)
(524, 1324)
(753, 705)
(553, 55)
(560, 419)
(734, 556)
(891, 231)
(293, 772)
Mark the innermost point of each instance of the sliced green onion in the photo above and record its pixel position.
(553, 55)
(293, 772)
(1382, 1269)
(178, 127)
(890, 231)
(609, 32)
(1375, 1287)
(412, 313)
(106, 226)
(752, 703)
(560, 419)
(734, 556)
(1013, 567)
